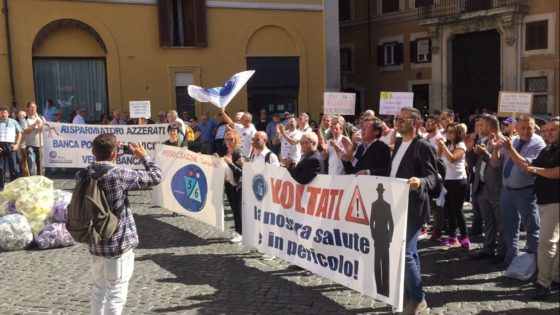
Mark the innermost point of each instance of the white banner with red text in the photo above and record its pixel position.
(192, 185)
(69, 145)
(350, 229)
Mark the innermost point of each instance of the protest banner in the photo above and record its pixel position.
(390, 103)
(192, 185)
(339, 103)
(69, 145)
(140, 109)
(350, 229)
(512, 103)
(221, 95)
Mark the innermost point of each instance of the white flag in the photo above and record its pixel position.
(221, 96)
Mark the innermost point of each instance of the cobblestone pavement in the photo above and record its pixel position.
(185, 267)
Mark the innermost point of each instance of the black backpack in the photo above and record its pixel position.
(90, 219)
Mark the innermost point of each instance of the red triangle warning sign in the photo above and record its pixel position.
(357, 211)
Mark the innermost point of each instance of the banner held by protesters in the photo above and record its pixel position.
(350, 229)
(193, 184)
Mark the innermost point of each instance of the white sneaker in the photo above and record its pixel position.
(268, 257)
(236, 238)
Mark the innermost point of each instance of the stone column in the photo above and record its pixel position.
(436, 84)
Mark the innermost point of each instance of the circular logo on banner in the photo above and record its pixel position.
(189, 187)
(259, 187)
(52, 154)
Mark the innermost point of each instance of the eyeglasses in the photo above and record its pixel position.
(401, 119)
(305, 141)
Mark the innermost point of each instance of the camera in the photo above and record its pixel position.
(125, 149)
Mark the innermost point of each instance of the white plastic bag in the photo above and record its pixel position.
(15, 232)
(522, 267)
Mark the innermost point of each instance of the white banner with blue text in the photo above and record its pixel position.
(192, 185)
(350, 229)
(69, 145)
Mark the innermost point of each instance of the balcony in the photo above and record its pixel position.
(438, 11)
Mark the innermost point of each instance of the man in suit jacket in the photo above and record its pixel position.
(372, 156)
(487, 186)
(311, 162)
(415, 160)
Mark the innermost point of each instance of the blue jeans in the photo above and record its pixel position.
(33, 159)
(519, 206)
(412, 277)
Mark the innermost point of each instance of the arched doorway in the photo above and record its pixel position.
(69, 69)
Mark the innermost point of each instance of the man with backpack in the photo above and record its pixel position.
(113, 256)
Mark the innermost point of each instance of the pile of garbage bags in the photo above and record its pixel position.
(31, 210)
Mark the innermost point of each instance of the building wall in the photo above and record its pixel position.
(405, 26)
(138, 68)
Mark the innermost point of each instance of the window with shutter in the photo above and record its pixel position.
(182, 23)
(536, 35)
(539, 87)
(390, 54)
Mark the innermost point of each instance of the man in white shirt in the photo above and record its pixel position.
(335, 150)
(261, 153)
(245, 129)
(289, 137)
(303, 123)
(116, 114)
(79, 118)
(33, 140)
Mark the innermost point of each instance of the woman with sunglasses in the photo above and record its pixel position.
(453, 153)
(234, 158)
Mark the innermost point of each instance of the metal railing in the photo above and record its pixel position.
(428, 9)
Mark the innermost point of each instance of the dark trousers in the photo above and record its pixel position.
(233, 195)
(456, 189)
(381, 265)
(8, 160)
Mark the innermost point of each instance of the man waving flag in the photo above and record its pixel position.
(221, 96)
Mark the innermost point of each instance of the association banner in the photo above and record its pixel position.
(69, 145)
(192, 185)
(350, 229)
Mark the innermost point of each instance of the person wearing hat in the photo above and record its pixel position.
(382, 227)
(508, 127)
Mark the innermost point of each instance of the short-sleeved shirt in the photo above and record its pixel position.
(9, 124)
(246, 137)
(206, 130)
(518, 178)
(546, 188)
(290, 151)
(33, 139)
(455, 170)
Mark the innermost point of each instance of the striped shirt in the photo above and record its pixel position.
(116, 184)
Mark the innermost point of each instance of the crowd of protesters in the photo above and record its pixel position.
(508, 172)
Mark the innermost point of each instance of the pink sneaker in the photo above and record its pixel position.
(466, 243)
(450, 242)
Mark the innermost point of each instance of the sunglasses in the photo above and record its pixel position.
(401, 119)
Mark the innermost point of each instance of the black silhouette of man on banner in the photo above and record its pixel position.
(382, 226)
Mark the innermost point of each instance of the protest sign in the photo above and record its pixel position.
(513, 103)
(69, 145)
(221, 95)
(390, 103)
(350, 229)
(140, 109)
(193, 184)
(339, 103)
